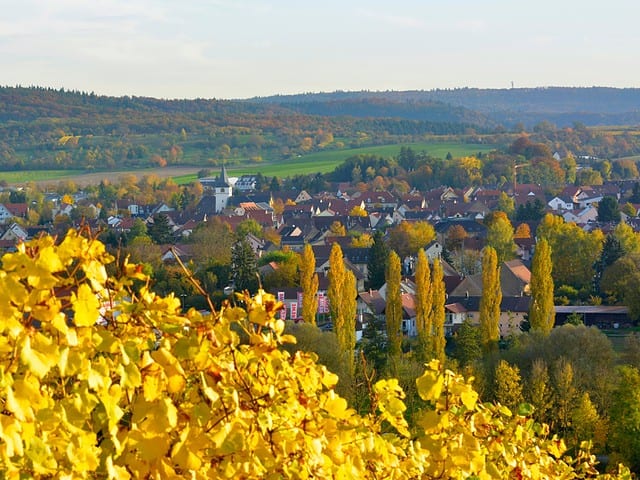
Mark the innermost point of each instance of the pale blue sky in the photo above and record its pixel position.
(245, 48)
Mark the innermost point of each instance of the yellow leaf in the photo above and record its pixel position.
(85, 306)
(430, 385)
(469, 399)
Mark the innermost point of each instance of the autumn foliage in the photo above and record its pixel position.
(101, 378)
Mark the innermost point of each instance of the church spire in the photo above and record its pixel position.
(224, 178)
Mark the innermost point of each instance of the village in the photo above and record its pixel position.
(296, 218)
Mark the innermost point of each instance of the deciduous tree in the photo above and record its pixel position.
(424, 306)
(508, 385)
(393, 309)
(500, 237)
(490, 300)
(309, 285)
(342, 297)
(439, 296)
(542, 312)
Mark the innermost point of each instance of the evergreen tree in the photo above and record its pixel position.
(491, 300)
(468, 345)
(608, 210)
(542, 313)
(377, 263)
(274, 186)
(160, 230)
(437, 311)
(393, 310)
(243, 263)
(424, 303)
(309, 285)
(611, 251)
(508, 385)
(635, 194)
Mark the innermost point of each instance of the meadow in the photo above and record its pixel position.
(316, 162)
(326, 161)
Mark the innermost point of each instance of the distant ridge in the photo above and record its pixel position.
(560, 105)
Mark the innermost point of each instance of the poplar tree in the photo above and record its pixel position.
(309, 285)
(490, 300)
(336, 276)
(542, 313)
(437, 310)
(342, 304)
(393, 310)
(424, 303)
(349, 308)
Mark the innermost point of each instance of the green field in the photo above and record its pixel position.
(317, 162)
(37, 175)
(323, 162)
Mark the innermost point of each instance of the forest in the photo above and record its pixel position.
(56, 129)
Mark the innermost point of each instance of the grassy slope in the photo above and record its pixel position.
(323, 162)
(317, 162)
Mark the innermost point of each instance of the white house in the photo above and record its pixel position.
(582, 216)
(557, 203)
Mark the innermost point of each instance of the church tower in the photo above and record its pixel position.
(222, 190)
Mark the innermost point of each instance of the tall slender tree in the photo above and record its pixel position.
(437, 310)
(309, 285)
(342, 294)
(393, 310)
(542, 314)
(336, 285)
(377, 263)
(349, 309)
(424, 303)
(490, 300)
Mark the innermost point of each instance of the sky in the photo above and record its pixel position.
(247, 48)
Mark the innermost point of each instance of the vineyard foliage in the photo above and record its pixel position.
(101, 378)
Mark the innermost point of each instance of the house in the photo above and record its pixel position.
(373, 303)
(5, 214)
(14, 233)
(581, 216)
(454, 315)
(513, 312)
(515, 279)
(558, 203)
(246, 183)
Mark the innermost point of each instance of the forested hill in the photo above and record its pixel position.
(560, 105)
(43, 128)
(32, 103)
